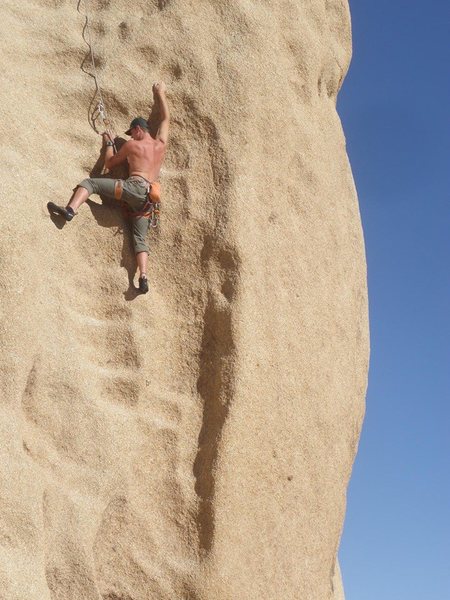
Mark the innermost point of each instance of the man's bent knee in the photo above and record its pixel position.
(102, 186)
(87, 184)
(140, 246)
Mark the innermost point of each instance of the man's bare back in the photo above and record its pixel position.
(145, 156)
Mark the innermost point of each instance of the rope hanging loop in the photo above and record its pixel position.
(100, 110)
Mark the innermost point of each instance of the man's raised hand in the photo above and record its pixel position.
(159, 88)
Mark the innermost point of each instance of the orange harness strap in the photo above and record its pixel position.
(154, 192)
(118, 189)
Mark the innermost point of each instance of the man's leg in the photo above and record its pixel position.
(139, 229)
(142, 261)
(80, 195)
(103, 187)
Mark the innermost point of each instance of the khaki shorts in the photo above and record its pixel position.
(134, 194)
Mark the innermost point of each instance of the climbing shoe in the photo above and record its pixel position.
(143, 285)
(67, 213)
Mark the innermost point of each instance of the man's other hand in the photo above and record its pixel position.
(108, 136)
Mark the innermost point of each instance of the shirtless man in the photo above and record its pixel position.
(145, 156)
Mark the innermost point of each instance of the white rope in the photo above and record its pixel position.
(100, 110)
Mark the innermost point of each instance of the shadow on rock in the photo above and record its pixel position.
(108, 214)
(58, 220)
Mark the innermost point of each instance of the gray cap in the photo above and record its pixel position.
(135, 122)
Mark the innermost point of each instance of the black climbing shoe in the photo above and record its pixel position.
(67, 213)
(143, 285)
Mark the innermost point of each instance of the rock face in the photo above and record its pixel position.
(195, 443)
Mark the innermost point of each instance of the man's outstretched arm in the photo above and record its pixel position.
(159, 93)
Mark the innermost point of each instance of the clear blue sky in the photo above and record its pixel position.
(395, 109)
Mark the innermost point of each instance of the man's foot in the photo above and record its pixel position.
(67, 213)
(143, 284)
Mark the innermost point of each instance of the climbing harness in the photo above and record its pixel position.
(151, 208)
(99, 112)
(149, 211)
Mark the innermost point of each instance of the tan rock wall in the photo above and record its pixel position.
(194, 443)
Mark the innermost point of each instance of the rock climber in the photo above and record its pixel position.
(145, 155)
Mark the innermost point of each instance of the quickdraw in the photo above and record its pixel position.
(154, 215)
(100, 114)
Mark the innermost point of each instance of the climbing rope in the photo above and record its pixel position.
(99, 113)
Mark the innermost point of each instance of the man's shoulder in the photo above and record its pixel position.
(131, 146)
(155, 142)
(126, 145)
(159, 142)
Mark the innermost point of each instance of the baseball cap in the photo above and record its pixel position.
(135, 122)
